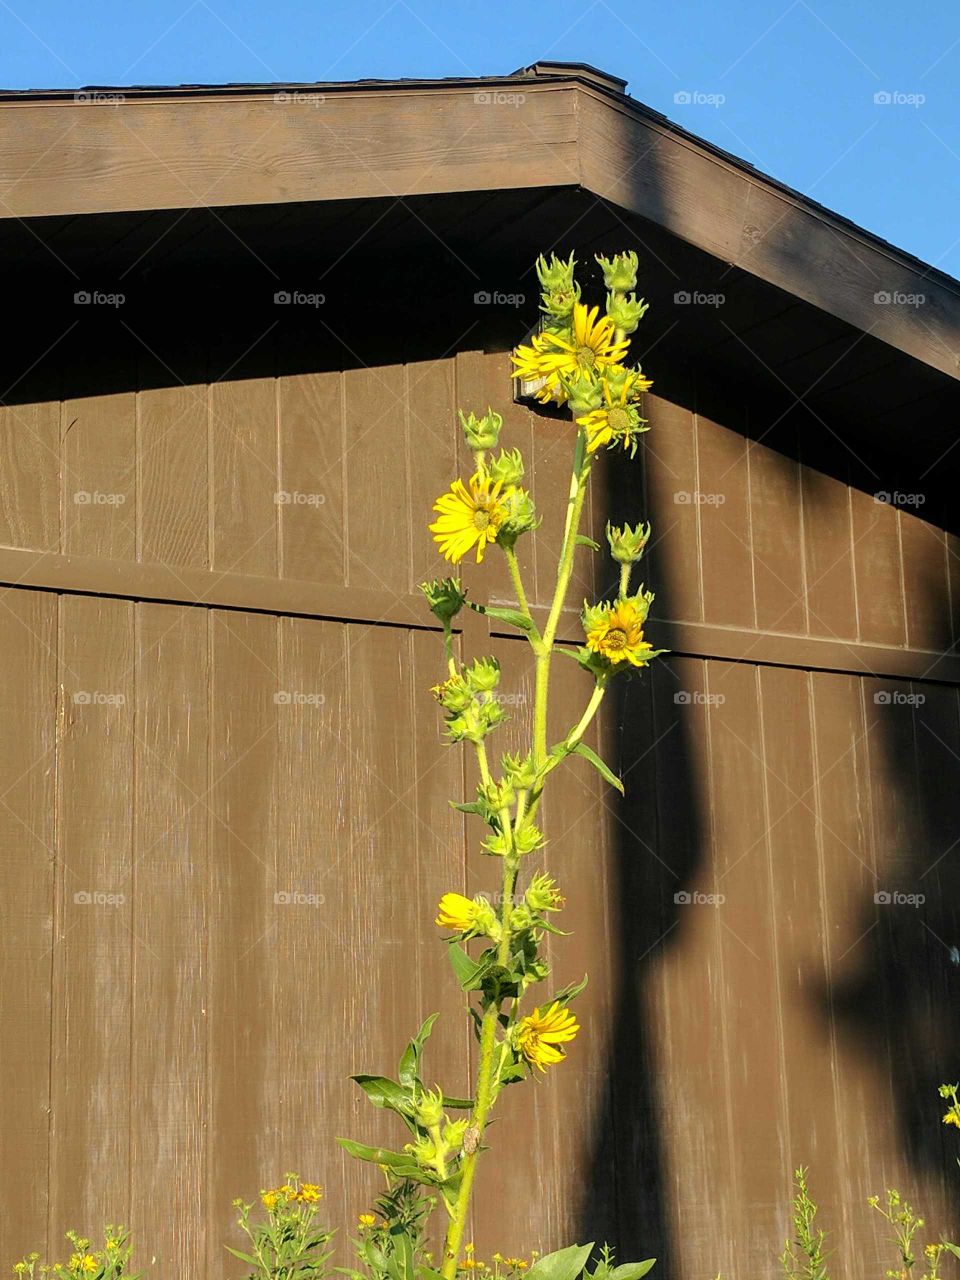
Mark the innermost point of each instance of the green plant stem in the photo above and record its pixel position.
(578, 492)
(625, 579)
(486, 1084)
(514, 566)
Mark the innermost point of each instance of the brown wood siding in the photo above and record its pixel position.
(189, 1040)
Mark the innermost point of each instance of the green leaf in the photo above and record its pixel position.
(470, 973)
(604, 770)
(385, 1093)
(584, 541)
(457, 1104)
(512, 616)
(954, 1249)
(565, 1264)
(410, 1062)
(568, 993)
(632, 1270)
(402, 1165)
(244, 1257)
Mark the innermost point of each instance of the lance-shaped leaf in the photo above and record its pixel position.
(565, 1264)
(604, 770)
(410, 1062)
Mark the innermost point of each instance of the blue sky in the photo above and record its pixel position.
(789, 85)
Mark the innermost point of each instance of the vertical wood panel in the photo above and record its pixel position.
(28, 634)
(378, 483)
(777, 546)
(99, 478)
(169, 935)
(243, 476)
(725, 534)
(311, 477)
(90, 1096)
(828, 560)
(876, 559)
(925, 583)
(747, 952)
(431, 444)
(670, 464)
(173, 467)
(30, 475)
(243, 1145)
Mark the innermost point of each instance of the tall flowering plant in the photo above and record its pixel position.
(578, 359)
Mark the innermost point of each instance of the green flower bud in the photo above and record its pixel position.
(497, 844)
(519, 770)
(454, 694)
(485, 920)
(500, 795)
(543, 895)
(556, 274)
(592, 615)
(620, 271)
(626, 312)
(507, 468)
(481, 433)
(423, 1151)
(521, 919)
(465, 726)
(521, 516)
(626, 544)
(527, 838)
(583, 395)
(482, 675)
(643, 600)
(429, 1108)
(559, 303)
(490, 715)
(453, 1133)
(445, 597)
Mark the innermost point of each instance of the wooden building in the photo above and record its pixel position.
(240, 320)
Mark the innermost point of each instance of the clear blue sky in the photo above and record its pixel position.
(788, 85)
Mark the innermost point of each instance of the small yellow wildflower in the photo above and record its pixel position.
(366, 1220)
(617, 420)
(540, 1033)
(456, 912)
(618, 635)
(952, 1117)
(270, 1198)
(89, 1263)
(468, 518)
(309, 1193)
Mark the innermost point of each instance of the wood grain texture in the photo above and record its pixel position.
(169, 919)
(28, 627)
(243, 476)
(99, 476)
(312, 545)
(93, 947)
(172, 462)
(30, 490)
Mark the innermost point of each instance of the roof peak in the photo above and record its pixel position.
(582, 70)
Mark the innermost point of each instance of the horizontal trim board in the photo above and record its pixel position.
(164, 584)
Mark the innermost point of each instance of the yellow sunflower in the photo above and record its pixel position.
(952, 1117)
(469, 517)
(590, 347)
(617, 634)
(616, 419)
(456, 912)
(540, 1032)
